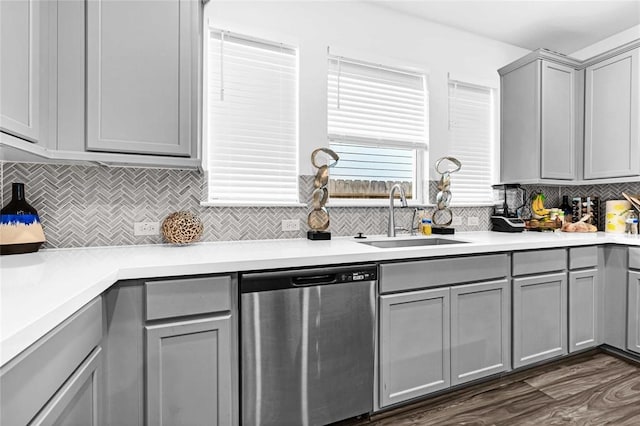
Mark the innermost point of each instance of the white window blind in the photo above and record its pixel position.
(378, 124)
(471, 140)
(252, 133)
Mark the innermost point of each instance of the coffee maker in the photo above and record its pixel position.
(510, 200)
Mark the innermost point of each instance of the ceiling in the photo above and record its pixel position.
(563, 26)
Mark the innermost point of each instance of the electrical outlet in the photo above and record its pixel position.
(456, 221)
(290, 225)
(146, 228)
(473, 221)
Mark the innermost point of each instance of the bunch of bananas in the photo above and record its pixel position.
(537, 207)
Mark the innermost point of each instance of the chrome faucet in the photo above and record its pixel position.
(391, 231)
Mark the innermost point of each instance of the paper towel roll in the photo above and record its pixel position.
(615, 215)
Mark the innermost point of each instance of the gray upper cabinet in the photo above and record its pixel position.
(538, 120)
(612, 117)
(414, 344)
(141, 58)
(557, 124)
(20, 47)
(633, 312)
(480, 330)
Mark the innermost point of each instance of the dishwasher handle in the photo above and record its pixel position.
(251, 282)
(305, 280)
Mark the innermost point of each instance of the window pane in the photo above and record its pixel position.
(252, 149)
(370, 172)
(471, 141)
(377, 119)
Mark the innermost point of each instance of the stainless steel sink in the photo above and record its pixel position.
(411, 243)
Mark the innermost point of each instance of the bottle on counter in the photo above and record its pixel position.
(566, 207)
(631, 223)
(426, 226)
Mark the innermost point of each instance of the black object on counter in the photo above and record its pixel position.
(442, 230)
(20, 228)
(318, 235)
(566, 207)
(507, 224)
(360, 236)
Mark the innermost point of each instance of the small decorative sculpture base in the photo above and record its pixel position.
(441, 230)
(318, 235)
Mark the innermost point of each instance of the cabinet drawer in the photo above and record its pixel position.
(189, 296)
(439, 272)
(583, 257)
(634, 257)
(33, 377)
(539, 261)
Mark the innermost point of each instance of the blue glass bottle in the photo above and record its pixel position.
(20, 227)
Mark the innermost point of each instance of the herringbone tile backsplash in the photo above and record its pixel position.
(82, 206)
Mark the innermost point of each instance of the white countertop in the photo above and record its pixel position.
(40, 290)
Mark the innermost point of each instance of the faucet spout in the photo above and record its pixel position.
(391, 231)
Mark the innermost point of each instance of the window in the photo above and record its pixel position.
(251, 149)
(471, 140)
(378, 125)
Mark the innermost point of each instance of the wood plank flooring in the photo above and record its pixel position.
(595, 389)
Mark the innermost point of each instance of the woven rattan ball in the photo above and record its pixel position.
(182, 228)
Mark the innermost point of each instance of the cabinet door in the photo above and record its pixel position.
(77, 402)
(139, 76)
(480, 330)
(20, 68)
(189, 372)
(414, 344)
(612, 117)
(633, 313)
(583, 309)
(520, 124)
(539, 318)
(557, 122)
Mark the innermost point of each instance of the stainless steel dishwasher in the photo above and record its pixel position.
(307, 344)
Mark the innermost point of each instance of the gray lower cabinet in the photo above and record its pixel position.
(584, 310)
(188, 372)
(57, 380)
(633, 312)
(612, 123)
(172, 352)
(414, 344)
(480, 330)
(77, 402)
(539, 318)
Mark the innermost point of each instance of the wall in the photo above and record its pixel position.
(84, 206)
(97, 205)
(371, 33)
(608, 43)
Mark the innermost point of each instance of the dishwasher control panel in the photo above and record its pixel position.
(357, 276)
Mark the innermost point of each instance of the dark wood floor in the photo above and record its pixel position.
(596, 389)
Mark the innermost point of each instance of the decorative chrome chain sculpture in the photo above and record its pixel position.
(443, 216)
(318, 219)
